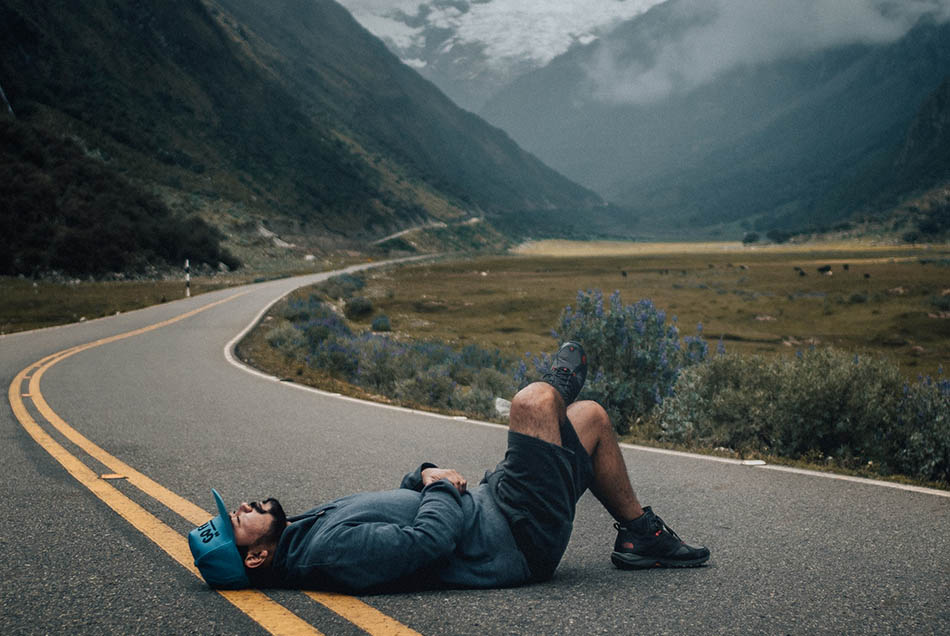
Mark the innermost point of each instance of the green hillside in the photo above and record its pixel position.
(346, 76)
(281, 113)
(64, 212)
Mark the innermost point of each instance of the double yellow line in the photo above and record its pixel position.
(272, 616)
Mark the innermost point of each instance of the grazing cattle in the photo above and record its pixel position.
(824, 269)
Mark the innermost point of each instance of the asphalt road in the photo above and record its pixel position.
(791, 553)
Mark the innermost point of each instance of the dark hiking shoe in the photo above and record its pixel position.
(647, 542)
(568, 371)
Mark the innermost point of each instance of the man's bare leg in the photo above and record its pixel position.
(537, 411)
(611, 485)
(643, 540)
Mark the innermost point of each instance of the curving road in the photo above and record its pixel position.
(90, 537)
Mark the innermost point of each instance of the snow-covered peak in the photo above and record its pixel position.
(471, 48)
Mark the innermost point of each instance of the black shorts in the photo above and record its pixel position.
(537, 486)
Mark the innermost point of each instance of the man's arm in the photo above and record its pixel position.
(430, 473)
(413, 480)
(362, 555)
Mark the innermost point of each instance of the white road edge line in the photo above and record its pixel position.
(859, 480)
(229, 356)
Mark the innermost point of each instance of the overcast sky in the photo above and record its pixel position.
(749, 32)
(734, 32)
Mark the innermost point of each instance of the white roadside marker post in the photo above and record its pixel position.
(187, 279)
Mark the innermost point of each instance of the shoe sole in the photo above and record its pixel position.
(635, 562)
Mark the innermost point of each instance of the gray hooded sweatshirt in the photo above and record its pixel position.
(370, 539)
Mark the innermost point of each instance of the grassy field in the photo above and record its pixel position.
(885, 300)
(28, 304)
(34, 304)
(892, 301)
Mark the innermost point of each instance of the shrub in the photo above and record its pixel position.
(314, 320)
(77, 215)
(433, 386)
(342, 286)
(936, 220)
(283, 336)
(380, 363)
(299, 310)
(822, 403)
(358, 307)
(779, 236)
(720, 403)
(324, 326)
(381, 323)
(494, 382)
(634, 357)
(336, 357)
(834, 403)
(478, 401)
(750, 237)
(920, 445)
(426, 373)
(941, 302)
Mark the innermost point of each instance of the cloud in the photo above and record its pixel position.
(398, 33)
(381, 7)
(506, 30)
(730, 33)
(540, 30)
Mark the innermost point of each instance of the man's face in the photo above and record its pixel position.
(251, 522)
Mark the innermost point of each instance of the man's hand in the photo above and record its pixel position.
(432, 475)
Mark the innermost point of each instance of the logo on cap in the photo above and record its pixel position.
(216, 555)
(207, 532)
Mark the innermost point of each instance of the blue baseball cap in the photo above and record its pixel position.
(216, 555)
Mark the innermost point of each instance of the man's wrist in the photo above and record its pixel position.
(413, 480)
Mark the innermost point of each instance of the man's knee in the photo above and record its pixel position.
(589, 413)
(592, 424)
(537, 410)
(537, 397)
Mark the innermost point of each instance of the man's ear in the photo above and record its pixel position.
(256, 557)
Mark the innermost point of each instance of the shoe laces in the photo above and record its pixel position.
(666, 528)
(658, 528)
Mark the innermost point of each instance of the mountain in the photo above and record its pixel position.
(430, 44)
(472, 48)
(285, 113)
(765, 140)
(912, 181)
(923, 159)
(349, 76)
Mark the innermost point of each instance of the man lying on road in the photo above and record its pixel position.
(511, 529)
